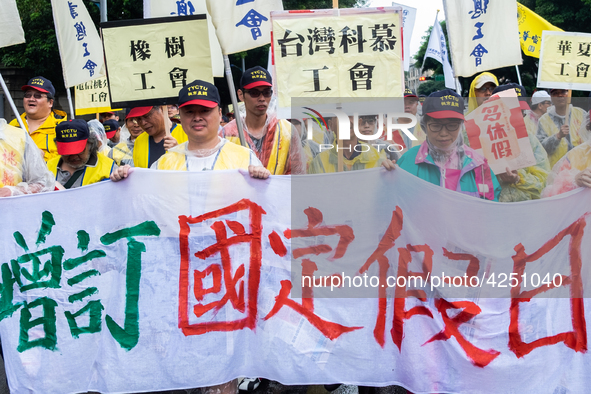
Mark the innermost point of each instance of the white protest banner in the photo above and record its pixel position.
(483, 35)
(565, 61)
(11, 29)
(437, 49)
(409, 15)
(92, 97)
(346, 53)
(187, 284)
(80, 46)
(150, 60)
(243, 24)
(497, 131)
(162, 8)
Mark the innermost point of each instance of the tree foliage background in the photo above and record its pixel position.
(569, 15)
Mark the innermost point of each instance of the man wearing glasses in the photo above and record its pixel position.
(554, 133)
(40, 118)
(270, 138)
(154, 143)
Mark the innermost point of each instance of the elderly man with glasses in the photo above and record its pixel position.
(270, 138)
(556, 135)
(40, 118)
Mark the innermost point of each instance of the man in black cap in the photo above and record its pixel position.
(205, 149)
(270, 138)
(113, 131)
(80, 163)
(526, 183)
(40, 118)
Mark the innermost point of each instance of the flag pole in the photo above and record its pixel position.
(72, 113)
(518, 74)
(18, 117)
(451, 62)
(340, 162)
(232, 88)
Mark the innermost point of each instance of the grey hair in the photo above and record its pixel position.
(93, 143)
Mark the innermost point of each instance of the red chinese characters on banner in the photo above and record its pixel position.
(329, 329)
(575, 339)
(233, 282)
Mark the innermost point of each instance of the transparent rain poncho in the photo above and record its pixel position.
(562, 177)
(96, 127)
(22, 168)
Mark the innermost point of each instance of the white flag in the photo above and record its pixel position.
(409, 15)
(437, 49)
(80, 46)
(11, 30)
(483, 35)
(162, 8)
(243, 24)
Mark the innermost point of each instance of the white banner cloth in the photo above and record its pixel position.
(243, 24)
(81, 49)
(165, 311)
(11, 29)
(437, 49)
(483, 35)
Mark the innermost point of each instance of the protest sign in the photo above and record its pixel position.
(348, 53)
(409, 15)
(93, 97)
(11, 29)
(163, 8)
(244, 24)
(497, 131)
(187, 284)
(565, 59)
(531, 26)
(483, 35)
(150, 60)
(80, 46)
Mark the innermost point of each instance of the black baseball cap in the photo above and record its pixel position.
(410, 93)
(444, 104)
(199, 92)
(41, 84)
(256, 76)
(111, 126)
(521, 93)
(71, 136)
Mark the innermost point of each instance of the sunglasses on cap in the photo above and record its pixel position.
(254, 93)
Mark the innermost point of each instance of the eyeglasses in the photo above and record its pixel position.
(367, 119)
(37, 96)
(483, 89)
(437, 127)
(254, 93)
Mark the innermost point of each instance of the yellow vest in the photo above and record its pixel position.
(141, 149)
(229, 157)
(13, 148)
(44, 136)
(327, 161)
(101, 171)
(280, 152)
(577, 115)
(121, 152)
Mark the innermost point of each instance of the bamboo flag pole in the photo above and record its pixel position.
(18, 117)
(340, 164)
(228, 70)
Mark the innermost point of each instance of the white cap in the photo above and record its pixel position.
(485, 79)
(539, 97)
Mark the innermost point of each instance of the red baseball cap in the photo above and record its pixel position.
(71, 137)
(138, 111)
